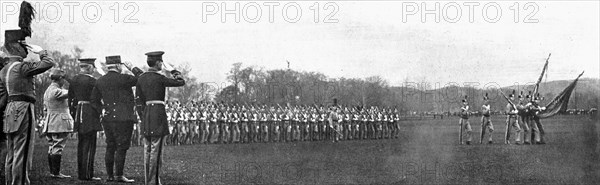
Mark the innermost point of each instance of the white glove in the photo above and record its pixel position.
(127, 65)
(35, 49)
(168, 67)
(100, 70)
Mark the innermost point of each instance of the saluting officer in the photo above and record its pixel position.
(59, 123)
(16, 83)
(114, 94)
(87, 118)
(150, 92)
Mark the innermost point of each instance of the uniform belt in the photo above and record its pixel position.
(155, 102)
(83, 102)
(24, 98)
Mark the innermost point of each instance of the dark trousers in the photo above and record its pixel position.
(86, 152)
(118, 140)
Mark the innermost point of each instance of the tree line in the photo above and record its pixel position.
(253, 84)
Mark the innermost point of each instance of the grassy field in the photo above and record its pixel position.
(427, 153)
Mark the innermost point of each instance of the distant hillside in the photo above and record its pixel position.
(585, 96)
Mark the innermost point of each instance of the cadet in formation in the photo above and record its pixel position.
(465, 126)
(521, 116)
(486, 121)
(234, 123)
(512, 121)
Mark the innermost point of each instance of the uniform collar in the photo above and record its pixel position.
(152, 70)
(87, 75)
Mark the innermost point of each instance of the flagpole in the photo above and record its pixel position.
(537, 85)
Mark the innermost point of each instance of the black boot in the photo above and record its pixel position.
(51, 165)
(58, 159)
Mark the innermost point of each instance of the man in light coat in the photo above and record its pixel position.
(59, 123)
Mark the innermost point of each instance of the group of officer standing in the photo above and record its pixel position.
(108, 104)
(112, 96)
(82, 104)
(202, 122)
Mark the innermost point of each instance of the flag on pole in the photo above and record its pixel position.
(560, 102)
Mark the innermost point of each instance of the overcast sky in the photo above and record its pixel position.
(369, 38)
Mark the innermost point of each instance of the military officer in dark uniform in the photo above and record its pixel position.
(87, 118)
(150, 95)
(114, 94)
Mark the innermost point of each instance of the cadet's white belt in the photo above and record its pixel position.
(155, 102)
(83, 102)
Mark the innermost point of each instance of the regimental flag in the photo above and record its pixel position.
(560, 102)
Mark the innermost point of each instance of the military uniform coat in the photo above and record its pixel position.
(86, 116)
(16, 85)
(17, 78)
(151, 86)
(114, 94)
(58, 118)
